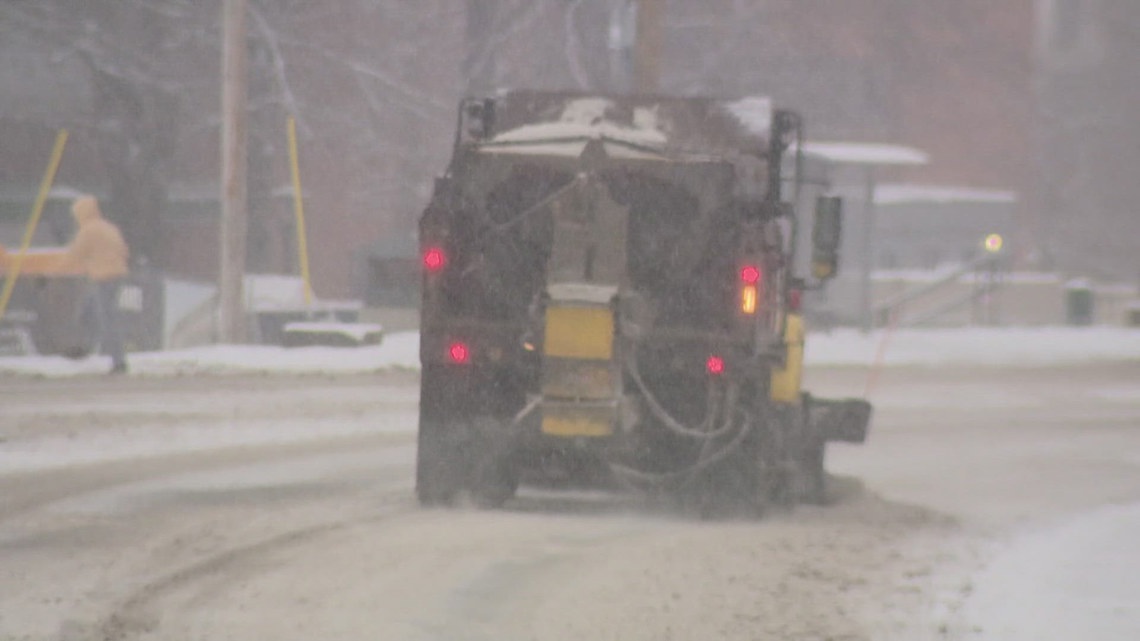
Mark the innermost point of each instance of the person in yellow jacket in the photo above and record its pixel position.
(99, 252)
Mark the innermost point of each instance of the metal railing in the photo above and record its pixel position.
(988, 270)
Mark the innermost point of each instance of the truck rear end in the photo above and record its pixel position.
(608, 302)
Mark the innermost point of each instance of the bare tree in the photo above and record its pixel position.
(135, 104)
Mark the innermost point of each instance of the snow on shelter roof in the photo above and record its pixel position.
(906, 193)
(856, 153)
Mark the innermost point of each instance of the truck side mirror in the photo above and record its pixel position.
(827, 229)
(476, 119)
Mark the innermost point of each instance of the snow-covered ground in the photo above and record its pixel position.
(923, 347)
(1078, 581)
(1026, 455)
(1028, 347)
(398, 350)
(148, 441)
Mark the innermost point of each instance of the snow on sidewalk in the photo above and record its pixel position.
(398, 350)
(925, 347)
(1078, 581)
(1017, 347)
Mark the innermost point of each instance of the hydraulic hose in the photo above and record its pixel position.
(686, 475)
(672, 424)
(707, 457)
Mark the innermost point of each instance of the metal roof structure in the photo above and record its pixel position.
(856, 153)
(907, 193)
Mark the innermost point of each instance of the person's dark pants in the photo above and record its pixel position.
(104, 301)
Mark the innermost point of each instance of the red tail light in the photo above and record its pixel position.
(714, 366)
(752, 278)
(459, 353)
(434, 259)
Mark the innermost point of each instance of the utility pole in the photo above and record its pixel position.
(867, 318)
(648, 45)
(622, 35)
(235, 222)
(479, 64)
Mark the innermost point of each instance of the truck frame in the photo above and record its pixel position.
(610, 299)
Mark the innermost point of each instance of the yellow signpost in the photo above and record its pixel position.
(299, 210)
(37, 211)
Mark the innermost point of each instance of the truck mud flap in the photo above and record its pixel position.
(845, 420)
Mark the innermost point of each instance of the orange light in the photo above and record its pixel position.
(714, 365)
(749, 299)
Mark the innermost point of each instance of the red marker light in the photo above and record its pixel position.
(434, 259)
(714, 365)
(750, 274)
(459, 353)
(795, 300)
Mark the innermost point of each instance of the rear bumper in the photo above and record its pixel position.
(843, 420)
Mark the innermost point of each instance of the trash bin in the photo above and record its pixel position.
(1078, 303)
(1132, 316)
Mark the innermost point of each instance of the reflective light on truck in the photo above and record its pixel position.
(434, 259)
(714, 365)
(750, 274)
(749, 296)
(459, 353)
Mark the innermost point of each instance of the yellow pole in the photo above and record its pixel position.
(37, 210)
(299, 210)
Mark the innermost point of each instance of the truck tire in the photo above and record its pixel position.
(494, 483)
(812, 472)
(736, 487)
(441, 467)
(494, 476)
(439, 476)
(812, 448)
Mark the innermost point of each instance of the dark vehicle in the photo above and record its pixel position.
(609, 301)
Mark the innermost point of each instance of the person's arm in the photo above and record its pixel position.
(76, 255)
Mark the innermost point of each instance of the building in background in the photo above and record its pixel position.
(374, 87)
(1088, 123)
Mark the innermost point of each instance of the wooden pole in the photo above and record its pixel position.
(234, 223)
(648, 46)
(33, 221)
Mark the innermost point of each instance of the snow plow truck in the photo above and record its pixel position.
(611, 300)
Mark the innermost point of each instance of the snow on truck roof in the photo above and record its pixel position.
(588, 118)
(754, 113)
(629, 126)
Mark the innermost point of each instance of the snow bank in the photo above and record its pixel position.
(1017, 347)
(1079, 581)
(399, 350)
(929, 347)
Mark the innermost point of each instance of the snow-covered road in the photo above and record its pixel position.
(247, 506)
